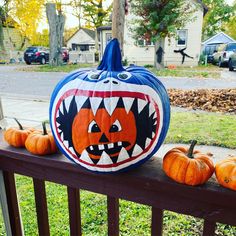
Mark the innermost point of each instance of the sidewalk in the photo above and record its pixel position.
(33, 112)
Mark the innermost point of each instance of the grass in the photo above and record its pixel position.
(181, 72)
(135, 219)
(208, 128)
(191, 72)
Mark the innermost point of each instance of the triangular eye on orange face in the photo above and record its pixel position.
(103, 132)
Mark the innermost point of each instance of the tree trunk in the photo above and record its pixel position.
(2, 48)
(118, 21)
(159, 54)
(56, 29)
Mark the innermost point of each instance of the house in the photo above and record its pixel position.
(211, 45)
(141, 53)
(82, 40)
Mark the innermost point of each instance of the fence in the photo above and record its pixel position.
(146, 185)
(82, 57)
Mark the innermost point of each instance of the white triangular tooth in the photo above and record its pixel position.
(95, 103)
(147, 143)
(57, 124)
(72, 150)
(151, 109)
(80, 100)
(62, 136)
(105, 159)
(155, 122)
(137, 150)
(128, 102)
(61, 108)
(123, 155)
(141, 104)
(155, 115)
(66, 143)
(68, 102)
(110, 104)
(153, 134)
(57, 113)
(85, 157)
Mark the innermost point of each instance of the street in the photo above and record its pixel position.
(39, 85)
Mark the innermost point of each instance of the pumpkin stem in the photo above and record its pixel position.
(20, 126)
(44, 128)
(190, 150)
(112, 60)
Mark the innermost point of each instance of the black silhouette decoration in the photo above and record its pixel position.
(159, 53)
(181, 51)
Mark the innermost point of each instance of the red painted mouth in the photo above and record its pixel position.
(142, 105)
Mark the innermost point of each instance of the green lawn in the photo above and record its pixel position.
(135, 219)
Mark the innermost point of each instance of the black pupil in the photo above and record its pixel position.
(95, 128)
(94, 76)
(114, 128)
(123, 76)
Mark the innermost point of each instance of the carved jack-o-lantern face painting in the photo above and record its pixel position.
(112, 118)
(102, 133)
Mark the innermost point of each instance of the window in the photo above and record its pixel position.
(181, 37)
(108, 38)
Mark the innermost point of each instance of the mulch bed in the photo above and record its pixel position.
(213, 100)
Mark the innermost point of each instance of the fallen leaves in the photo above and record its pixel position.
(214, 100)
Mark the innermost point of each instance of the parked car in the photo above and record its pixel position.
(65, 54)
(36, 54)
(232, 61)
(221, 57)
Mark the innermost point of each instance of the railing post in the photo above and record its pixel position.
(41, 207)
(157, 222)
(12, 202)
(113, 216)
(3, 200)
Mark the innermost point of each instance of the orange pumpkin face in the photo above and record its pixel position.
(103, 132)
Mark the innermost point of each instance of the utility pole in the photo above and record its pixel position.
(118, 21)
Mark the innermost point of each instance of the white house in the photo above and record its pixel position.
(140, 53)
(82, 40)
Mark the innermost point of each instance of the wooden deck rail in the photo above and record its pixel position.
(146, 185)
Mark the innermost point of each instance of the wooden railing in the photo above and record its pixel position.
(146, 185)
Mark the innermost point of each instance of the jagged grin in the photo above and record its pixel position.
(99, 142)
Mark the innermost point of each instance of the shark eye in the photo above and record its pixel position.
(124, 75)
(94, 75)
(115, 127)
(93, 127)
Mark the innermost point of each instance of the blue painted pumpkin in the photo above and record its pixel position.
(110, 118)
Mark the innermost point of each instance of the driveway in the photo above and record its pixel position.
(39, 85)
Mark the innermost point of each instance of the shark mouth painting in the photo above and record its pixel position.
(110, 118)
(99, 129)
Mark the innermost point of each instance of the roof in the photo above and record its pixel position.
(89, 32)
(106, 27)
(219, 38)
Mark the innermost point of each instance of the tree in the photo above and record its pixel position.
(42, 38)
(158, 19)
(27, 15)
(56, 22)
(229, 27)
(93, 12)
(219, 13)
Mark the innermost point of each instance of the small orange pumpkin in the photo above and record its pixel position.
(186, 166)
(225, 171)
(16, 137)
(41, 142)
